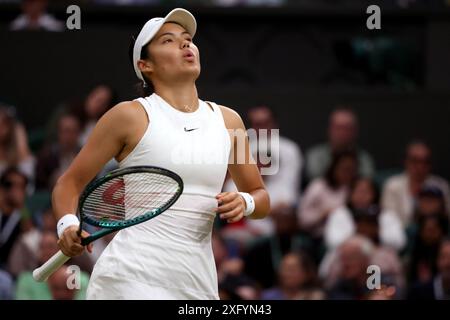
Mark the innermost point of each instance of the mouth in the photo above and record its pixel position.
(189, 56)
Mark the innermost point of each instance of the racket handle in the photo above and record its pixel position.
(52, 264)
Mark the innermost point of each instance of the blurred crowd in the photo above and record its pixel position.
(35, 15)
(339, 227)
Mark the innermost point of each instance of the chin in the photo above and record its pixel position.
(193, 71)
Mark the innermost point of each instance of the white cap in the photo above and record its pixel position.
(178, 15)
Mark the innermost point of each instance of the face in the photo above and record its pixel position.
(68, 132)
(345, 171)
(173, 56)
(14, 191)
(362, 195)
(98, 102)
(261, 118)
(443, 262)
(418, 162)
(57, 284)
(342, 130)
(354, 262)
(430, 205)
(291, 272)
(34, 8)
(431, 233)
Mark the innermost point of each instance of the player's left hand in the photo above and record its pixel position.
(231, 206)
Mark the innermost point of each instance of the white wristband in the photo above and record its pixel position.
(65, 222)
(250, 203)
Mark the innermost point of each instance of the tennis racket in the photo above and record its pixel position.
(121, 199)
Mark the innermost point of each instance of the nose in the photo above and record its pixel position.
(185, 44)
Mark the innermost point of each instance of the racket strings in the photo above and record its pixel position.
(130, 196)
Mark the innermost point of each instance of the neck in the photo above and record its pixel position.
(183, 97)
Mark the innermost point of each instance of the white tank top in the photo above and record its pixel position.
(173, 251)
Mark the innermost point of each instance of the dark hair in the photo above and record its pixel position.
(373, 186)
(144, 88)
(337, 157)
(441, 220)
(9, 171)
(307, 264)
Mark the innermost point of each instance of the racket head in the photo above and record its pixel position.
(104, 202)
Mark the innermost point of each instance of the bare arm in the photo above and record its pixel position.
(245, 175)
(108, 139)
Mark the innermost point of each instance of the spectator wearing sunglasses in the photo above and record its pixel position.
(400, 192)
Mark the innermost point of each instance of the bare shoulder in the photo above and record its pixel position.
(232, 119)
(125, 111)
(123, 121)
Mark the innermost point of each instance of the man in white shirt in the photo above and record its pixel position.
(400, 191)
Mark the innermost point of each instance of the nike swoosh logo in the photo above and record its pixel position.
(189, 130)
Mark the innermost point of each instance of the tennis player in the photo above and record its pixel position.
(169, 257)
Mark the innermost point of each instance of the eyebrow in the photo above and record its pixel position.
(171, 34)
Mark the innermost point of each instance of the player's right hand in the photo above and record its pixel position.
(70, 242)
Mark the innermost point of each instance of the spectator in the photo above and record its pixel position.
(325, 195)
(23, 256)
(14, 151)
(233, 282)
(342, 135)
(297, 278)
(264, 255)
(26, 256)
(226, 263)
(29, 289)
(439, 287)
(430, 201)
(35, 17)
(354, 257)
(55, 158)
(97, 103)
(12, 210)
(400, 192)
(362, 216)
(432, 230)
(282, 186)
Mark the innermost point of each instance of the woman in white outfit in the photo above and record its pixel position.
(169, 257)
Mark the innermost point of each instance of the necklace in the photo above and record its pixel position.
(187, 108)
